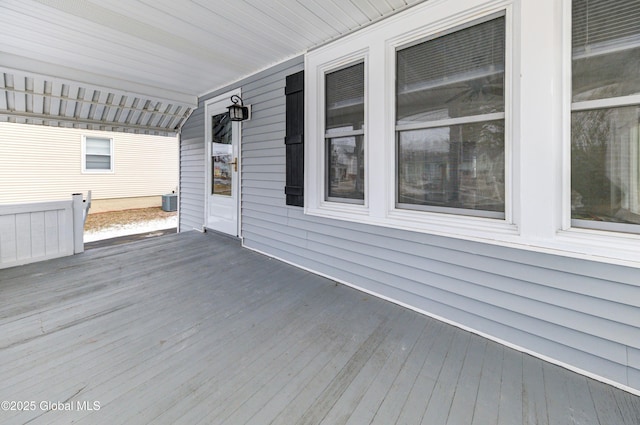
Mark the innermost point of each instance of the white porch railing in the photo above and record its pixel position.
(42, 230)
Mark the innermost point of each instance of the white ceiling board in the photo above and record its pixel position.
(98, 52)
(158, 53)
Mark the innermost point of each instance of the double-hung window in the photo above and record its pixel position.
(407, 122)
(429, 122)
(98, 154)
(344, 134)
(605, 117)
(450, 115)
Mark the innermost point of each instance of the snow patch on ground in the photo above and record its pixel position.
(131, 229)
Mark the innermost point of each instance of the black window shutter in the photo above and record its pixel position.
(294, 139)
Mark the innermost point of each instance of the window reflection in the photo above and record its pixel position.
(605, 145)
(606, 49)
(221, 155)
(450, 122)
(459, 166)
(344, 134)
(346, 167)
(605, 165)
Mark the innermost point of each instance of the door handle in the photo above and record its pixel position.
(235, 164)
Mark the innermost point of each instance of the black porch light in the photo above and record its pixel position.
(237, 111)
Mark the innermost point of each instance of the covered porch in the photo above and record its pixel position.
(193, 329)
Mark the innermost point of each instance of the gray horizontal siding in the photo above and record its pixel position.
(262, 146)
(573, 311)
(192, 162)
(593, 334)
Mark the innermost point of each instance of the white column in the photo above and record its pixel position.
(540, 130)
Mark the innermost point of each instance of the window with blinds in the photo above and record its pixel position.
(344, 134)
(450, 113)
(605, 49)
(605, 119)
(97, 154)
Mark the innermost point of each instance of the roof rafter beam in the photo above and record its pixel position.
(19, 66)
(183, 108)
(107, 124)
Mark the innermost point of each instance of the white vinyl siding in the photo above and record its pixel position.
(39, 163)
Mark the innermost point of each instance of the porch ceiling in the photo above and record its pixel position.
(139, 65)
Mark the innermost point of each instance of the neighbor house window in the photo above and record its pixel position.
(98, 154)
(605, 119)
(450, 115)
(344, 134)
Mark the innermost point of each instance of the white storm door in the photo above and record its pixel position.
(223, 139)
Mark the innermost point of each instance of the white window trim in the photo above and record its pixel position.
(462, 221)
(611, 102)
(606, 245)
(83, 160)
(315, 155)
(378, 50)
(537, 132)
(338, 134)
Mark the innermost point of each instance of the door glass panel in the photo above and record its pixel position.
(221, 155)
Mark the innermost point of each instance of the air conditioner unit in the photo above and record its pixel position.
(170, 202)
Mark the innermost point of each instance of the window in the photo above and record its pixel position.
(450, 112)
(476, 124)
(98, 154)
(407, 122)
(344, 134)
(605, 118)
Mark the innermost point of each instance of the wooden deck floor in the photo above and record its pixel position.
(193, 329)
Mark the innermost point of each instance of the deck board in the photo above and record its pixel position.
(467, 387)
(534, 393)
(510, 407)
(382, 382)
(192, 329)
(390, 408)
(441, 400)
(571, 402)
(486, 411)
(422, 390)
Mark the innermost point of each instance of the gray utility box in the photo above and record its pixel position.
(170, 202)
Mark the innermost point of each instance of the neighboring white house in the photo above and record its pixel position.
(39, 163)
